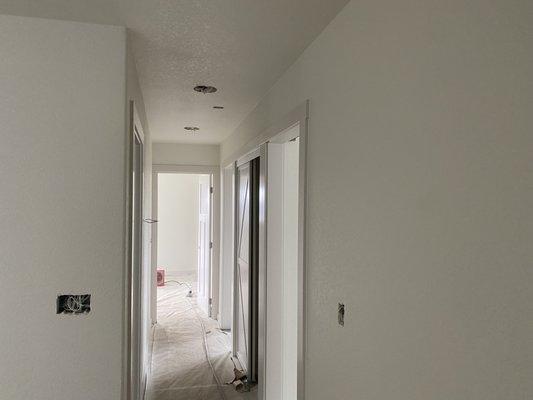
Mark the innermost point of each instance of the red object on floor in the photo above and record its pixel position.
(160, 277)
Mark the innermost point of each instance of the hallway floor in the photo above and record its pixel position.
(180, 370)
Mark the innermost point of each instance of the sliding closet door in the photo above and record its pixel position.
(246, 267)
(242, 274)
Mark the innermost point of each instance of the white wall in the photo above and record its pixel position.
(177, 231)
(420, 199)
(186, 154)
(62, 113)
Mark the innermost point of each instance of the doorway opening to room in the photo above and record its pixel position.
(191, 355)
(184, 238)
(182, 257)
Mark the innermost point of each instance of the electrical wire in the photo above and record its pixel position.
(76, 304)
(180, 283)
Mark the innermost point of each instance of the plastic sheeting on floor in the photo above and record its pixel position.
(180, 370)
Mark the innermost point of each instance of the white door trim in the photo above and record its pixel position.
(299, 115)
(132, 363)
(301, 120)
(227, 248)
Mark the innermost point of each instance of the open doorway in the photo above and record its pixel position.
(184, 236)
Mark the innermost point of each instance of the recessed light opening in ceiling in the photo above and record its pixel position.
(205, 89)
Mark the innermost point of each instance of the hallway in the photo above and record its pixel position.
(345, 185)
(180, 370)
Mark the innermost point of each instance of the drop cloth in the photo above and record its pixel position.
(180, 370)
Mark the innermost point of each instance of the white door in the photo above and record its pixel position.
(204, 243)
(242, 278)
(246, 288)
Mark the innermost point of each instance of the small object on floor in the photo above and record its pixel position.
(189, 294)
(238, 373)
(160, 277)
(238, 385)
(243, 386)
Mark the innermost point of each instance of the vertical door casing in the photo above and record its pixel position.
(227, 262)
(136, 337)
(204, 243)
(262, 271)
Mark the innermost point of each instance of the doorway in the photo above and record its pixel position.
(191, 356)
(183, 248)
(284, 265)
(269, 252)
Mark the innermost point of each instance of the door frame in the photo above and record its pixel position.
(227, 247)
(133, 363)
(204, 255)
(252, 149)
(214, 171)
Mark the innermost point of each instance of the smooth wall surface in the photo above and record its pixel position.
(177, 231)
(62, 203)
(420, 199)
(186, 154)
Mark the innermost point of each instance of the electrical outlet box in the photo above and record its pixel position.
(73, 303)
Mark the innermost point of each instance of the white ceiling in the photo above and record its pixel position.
(240, 46)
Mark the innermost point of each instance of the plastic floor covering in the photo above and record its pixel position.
(180, 369)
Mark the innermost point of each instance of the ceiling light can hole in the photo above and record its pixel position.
(205, 89)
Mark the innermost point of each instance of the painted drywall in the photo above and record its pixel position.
(62, 206)
(419, 199)
(186, 154)
(177, 230)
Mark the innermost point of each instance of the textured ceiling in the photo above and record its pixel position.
(240, 46)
